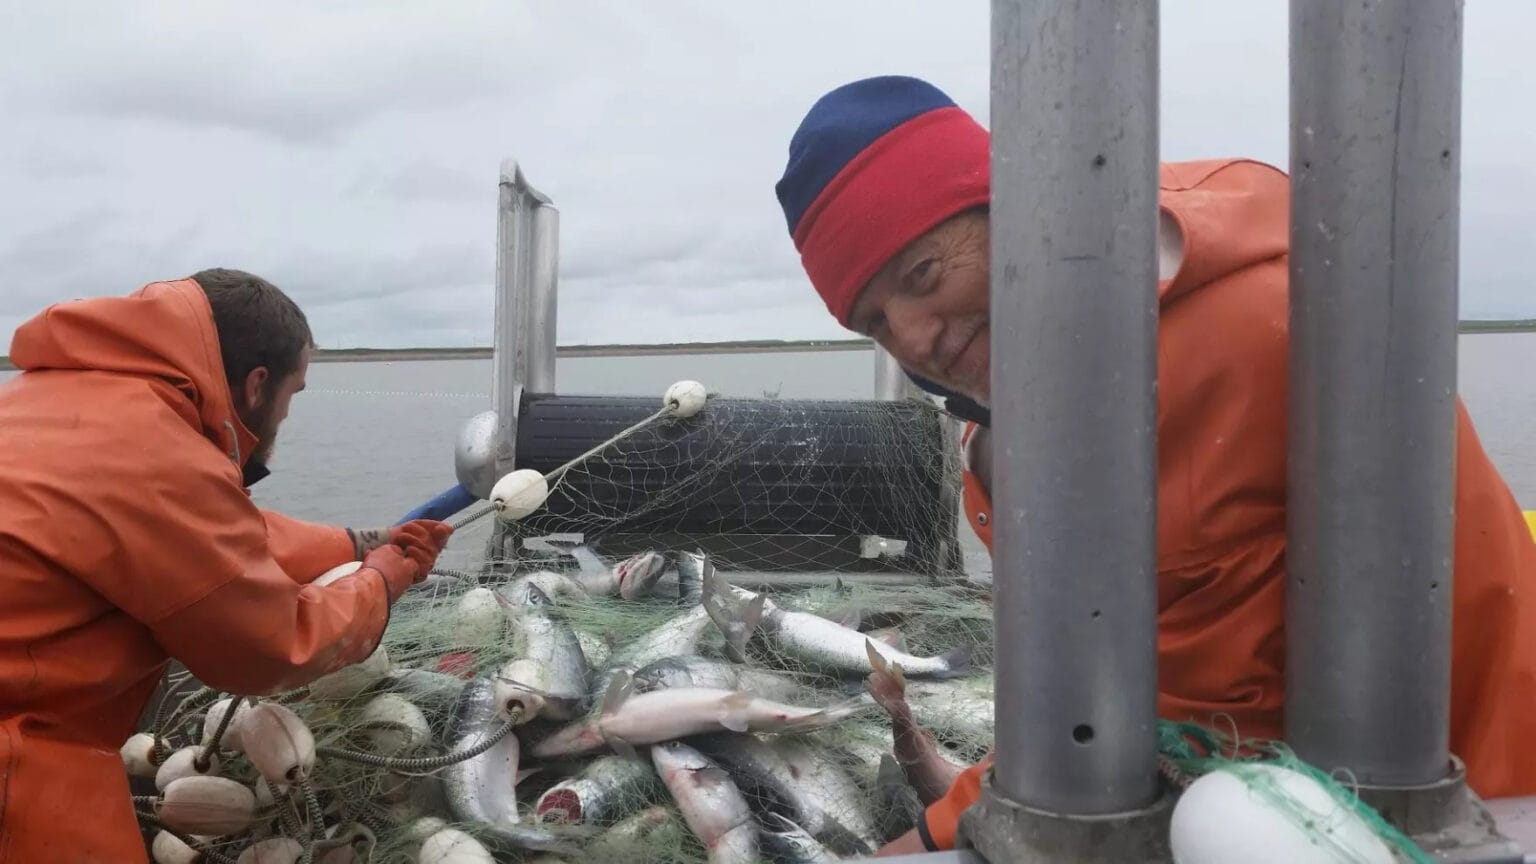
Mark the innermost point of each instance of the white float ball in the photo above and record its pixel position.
(452, 846)
(687, 396)
(519, 494)
(337, 572)
(1222, 818)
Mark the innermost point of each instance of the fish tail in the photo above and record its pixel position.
(956, 662)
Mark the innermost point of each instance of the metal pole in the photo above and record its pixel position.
(1375, 168)
(889, 377)
(545, 281)
(1074, 363)
(509, 371)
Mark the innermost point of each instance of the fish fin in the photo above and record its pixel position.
(735, 710)
(957, 661)
(848, 616)
(620, 685)
(833, 714)
(621, 747)
(839, 585)
(891, 636)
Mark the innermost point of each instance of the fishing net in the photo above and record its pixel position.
(796, 539)
(1189, 751)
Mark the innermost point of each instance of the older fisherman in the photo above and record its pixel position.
(885, 195)
(128, 536)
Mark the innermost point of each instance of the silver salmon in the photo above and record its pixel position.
(791, 844)
(695, 671)
(774, 785)
(626, 720)
(607, 790)
(712, 806)
(483, 790)
(548, 676)
(633, 577)
(811, 641)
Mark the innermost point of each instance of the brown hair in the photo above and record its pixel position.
(258, 325)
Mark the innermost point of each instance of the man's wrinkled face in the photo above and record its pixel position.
(265, 403)
(928, 306)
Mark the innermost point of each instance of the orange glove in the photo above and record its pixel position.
(422, 540)
(399, 571)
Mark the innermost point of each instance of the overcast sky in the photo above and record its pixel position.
(349, 150)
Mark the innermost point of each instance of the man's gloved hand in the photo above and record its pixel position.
(365, 540)
(400, 572)
(422, 540)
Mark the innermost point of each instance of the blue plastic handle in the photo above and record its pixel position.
(447, 503)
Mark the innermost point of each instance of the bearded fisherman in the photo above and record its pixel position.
(886, 198)
(128, 537)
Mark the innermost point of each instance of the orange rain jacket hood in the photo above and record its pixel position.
(1223, 360)
(127, 537)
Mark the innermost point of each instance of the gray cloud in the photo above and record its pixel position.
(350, 151)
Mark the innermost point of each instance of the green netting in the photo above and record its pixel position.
(1188, 751)
(843, 760)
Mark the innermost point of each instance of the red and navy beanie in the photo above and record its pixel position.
(874, 165)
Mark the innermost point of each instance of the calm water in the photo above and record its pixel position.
(368, 441)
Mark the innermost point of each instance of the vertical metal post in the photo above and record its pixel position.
(509, 371)
(1375, 165)
(888, 376)
(891, 381)
(1074, 364)
(545, 293)
(527, 246)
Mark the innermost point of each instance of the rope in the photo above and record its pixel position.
(316, 821)
(551, 477)
(196, 699)
(209, 855)
(426, 763)
(461, 575)
(205, 758)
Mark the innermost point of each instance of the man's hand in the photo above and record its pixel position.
(422, 540)
(399, 572)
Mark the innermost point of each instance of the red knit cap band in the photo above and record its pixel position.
(904, 183)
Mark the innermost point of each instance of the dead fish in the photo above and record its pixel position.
(712, 806)
(555, 586)
(829, 788)
(811, 641)
(652, 836)
(678, 637)
(633, 577)
(483, 788)
(791, 844)
(626, 721)
(897, 805)
(774, 785)
(926, 767)
(695, 671)
(607, 790)
(548, 677)
(690, 577)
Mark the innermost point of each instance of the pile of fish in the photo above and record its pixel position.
(497, 723)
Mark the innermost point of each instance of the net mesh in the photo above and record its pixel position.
(808, 668)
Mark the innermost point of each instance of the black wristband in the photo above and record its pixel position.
(923, 835)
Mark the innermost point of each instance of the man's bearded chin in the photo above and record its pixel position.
(261, 423)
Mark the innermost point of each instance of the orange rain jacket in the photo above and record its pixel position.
(126, 537)
(1221, 428)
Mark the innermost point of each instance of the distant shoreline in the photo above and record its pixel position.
(763, 346)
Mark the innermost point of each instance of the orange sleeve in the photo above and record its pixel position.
(941, 821)
(306, 549)
(178, 545)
